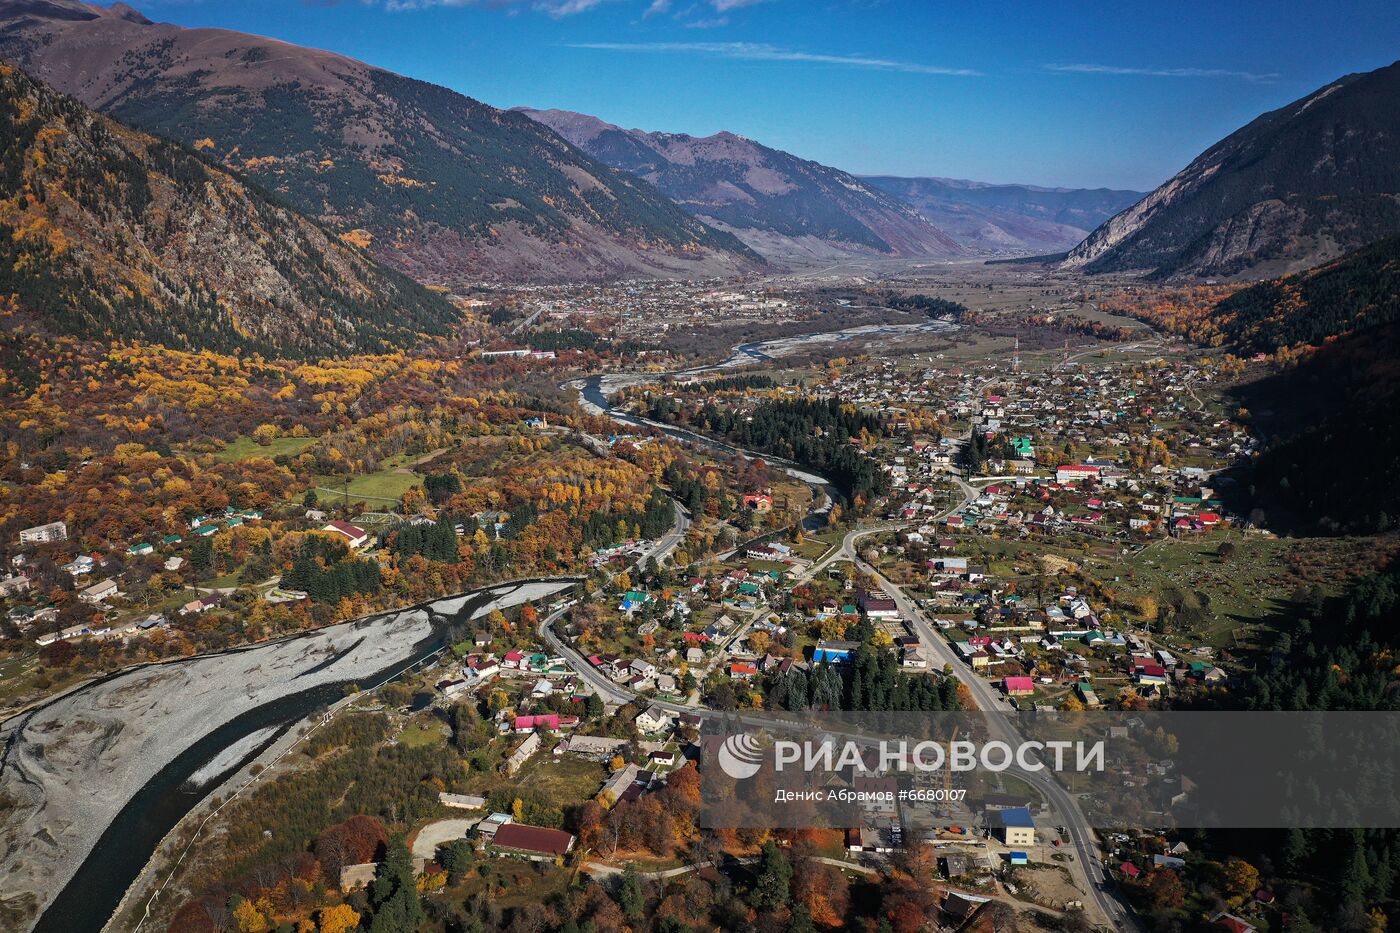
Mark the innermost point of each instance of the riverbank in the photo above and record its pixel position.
(766, 351)
(94, 780)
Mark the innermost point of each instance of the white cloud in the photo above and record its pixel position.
(763, 52)
(396, 6)
(657, 8)
(561, 8)
(555, 8)
(1089, 69)
(724, 6)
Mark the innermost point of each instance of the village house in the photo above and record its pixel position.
(1016, 826)
(355, 877)
(1071, 474)
(877, 606)
(100, 591)
(1018, 686)
(523, 753)
(550, 722)
(461, 801)
(758, 502)
(654, 719)
(535, 843)
(743, 670)
(355, 536)
(203, 604)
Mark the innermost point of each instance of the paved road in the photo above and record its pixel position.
(672, 539)
(440, 833)
(1088, 868)
(528, 321)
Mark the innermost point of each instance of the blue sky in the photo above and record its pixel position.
(1052, 93)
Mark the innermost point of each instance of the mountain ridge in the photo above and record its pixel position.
(780, 204)
(437, 184)
(111, 233)
(1003, 219)
(1294, 187)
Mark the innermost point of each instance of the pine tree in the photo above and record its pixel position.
(630, 896)
(394, 892)
(773, 888)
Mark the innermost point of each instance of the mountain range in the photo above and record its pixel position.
(450, 190)
(108, 232)
(1007, 219)
(789, 208)
(1295, 187)
(435, 183)
(780, 205)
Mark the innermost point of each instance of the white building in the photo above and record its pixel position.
(44, 534)
(99, 591)
(356, 536)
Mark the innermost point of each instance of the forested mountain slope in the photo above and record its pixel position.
(109, 232)
(1355, 293)
(438, 184)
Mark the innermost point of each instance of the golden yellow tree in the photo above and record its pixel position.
(339, 919)
(250, 919)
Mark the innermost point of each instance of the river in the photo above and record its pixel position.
(172, 733)
(596, 393)
(110, 861)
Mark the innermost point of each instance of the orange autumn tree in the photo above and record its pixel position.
(823, 891)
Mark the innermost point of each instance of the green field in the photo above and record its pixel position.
(1258, 580)
(567, 778)
(761, 566)
(415, 735)
(371, 487)
(245, 448)
(512, 882)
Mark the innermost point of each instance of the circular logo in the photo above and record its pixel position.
(740, 756)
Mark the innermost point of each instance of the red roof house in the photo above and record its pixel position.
(355, 535)
(533, 841)
(1018, 686)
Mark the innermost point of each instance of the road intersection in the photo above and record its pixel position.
(1087, 867)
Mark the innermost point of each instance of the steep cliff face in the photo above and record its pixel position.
(109, 232)
(1297, 186)
(437, 184)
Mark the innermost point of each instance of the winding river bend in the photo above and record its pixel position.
(99, 776)
(596, 394)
